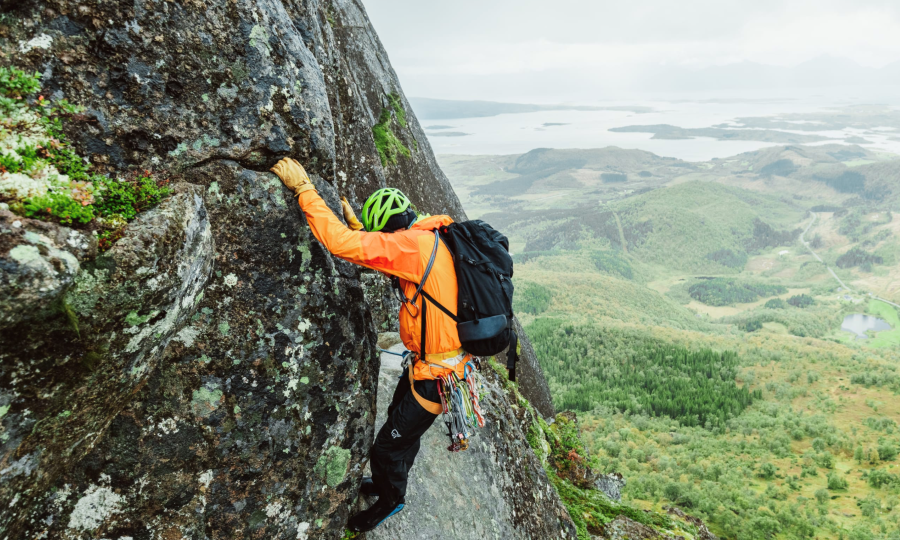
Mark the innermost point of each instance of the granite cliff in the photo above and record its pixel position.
(214, 373)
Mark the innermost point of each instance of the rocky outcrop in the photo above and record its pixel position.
(611, 484)
(95, 332)
(214, 374)
(495, 489)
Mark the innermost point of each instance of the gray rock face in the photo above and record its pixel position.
(611, 484)
(214, 374)
(39, 262)
(495, 489)
(67, 372)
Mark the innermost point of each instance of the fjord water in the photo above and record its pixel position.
(859, 324)
(519, 133)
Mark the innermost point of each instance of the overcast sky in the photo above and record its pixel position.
(516, 49)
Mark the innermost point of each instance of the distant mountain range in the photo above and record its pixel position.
(447, 109)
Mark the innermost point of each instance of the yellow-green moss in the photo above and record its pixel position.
(389, 146)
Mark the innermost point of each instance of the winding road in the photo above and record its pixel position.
(816, 255)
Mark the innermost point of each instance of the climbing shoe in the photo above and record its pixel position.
(367, 487)
(374, 515)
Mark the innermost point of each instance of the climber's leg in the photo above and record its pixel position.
(394, 452)
(397, 442)
(367, 486)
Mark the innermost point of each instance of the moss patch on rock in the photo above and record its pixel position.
(389, 146)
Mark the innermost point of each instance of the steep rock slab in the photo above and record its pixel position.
(67, 372)
(254, 424)
(495, 489)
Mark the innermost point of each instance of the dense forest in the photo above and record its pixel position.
(589, 366)
(724, 291)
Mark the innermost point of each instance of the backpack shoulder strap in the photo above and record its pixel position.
(437, 241)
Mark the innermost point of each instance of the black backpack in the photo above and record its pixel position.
(484, 269)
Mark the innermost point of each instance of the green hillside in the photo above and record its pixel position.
(675, 308)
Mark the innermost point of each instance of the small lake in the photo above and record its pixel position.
(859, 324)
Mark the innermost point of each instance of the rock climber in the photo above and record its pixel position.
(394, 240)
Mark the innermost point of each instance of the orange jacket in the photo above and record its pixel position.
(404, 254)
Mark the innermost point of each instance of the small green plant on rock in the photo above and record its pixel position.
(42, 177)
(389, 146)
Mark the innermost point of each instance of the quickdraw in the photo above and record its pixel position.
(460, 405)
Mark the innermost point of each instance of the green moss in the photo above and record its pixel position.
(332, 465)
(397, 106)
(591, 510)
(389, 146)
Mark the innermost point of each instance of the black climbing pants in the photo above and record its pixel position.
(397, 443)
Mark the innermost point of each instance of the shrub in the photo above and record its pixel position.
(775, 303)
(879, 478)
(724, 291)
(886, 451)
(767, 471)
(752, 325)
(857, 257)
(765, 236)
(609, 262)
(782, 167)
(869, 506)
(58, 184)
(729, 258)
(15, 84)
(846, 182)
(131, 196)
(801, 300)
(836, 481)
(610, 178)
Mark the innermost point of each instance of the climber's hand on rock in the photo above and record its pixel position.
(349, 216)
(293, 175)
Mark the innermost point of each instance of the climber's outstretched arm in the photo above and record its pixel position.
(394, 254)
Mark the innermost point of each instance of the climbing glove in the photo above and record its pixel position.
(349, 216)
(293, 175)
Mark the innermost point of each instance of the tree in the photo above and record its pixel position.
(767, 471)
(873, 456)
(822, 496)
(859, 454)
(835, 481)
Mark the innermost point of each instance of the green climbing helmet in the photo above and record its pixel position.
(381, 206)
